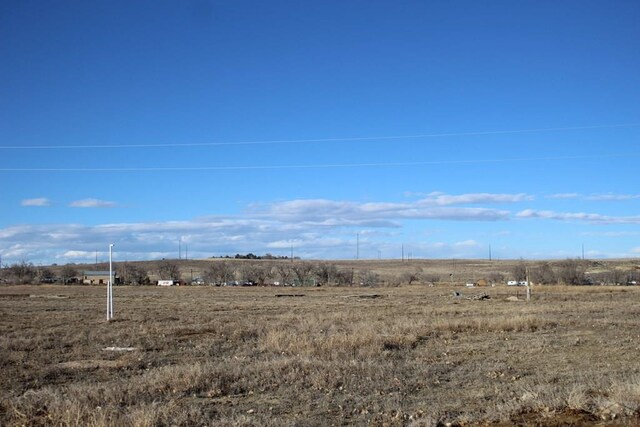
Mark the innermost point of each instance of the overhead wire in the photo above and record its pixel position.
(303, 141)
(318, 166)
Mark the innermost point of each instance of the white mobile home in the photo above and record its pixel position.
(167, 283)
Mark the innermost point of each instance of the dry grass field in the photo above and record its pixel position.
(388, 356)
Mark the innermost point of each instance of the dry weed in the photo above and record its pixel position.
(411, 356)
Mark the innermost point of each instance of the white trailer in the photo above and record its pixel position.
(166, 283)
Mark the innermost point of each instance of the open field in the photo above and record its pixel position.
(409, 355)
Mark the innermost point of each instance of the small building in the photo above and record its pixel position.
(98, 277)
(168, 283)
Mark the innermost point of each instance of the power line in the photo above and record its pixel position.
(302, 141)
(320, 166)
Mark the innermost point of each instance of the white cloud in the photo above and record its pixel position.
(564, 196)
(321, 211)
(592, 218)
(77, 255)
(467, 244)
(442, 199)
(609, 197)
(92, 203)
(39, 201)
(315, 227)
(321, 228)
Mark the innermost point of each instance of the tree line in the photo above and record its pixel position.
(573, 272)
(292, 272)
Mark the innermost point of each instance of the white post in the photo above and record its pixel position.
(110, 285)
(108, 300)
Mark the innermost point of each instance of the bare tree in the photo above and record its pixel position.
(431, 278)
(495, 277)
(68, 273)
(519, 271)
(249, 273)
(326, 272)
(302, 271)
(543, 274)
(263, 272)
(572, 272)
(219, 272)
(132, 274)
(22, 272)
(344, 277)
(368, 278)
(168, 270)
(284, 272)
(632, 277)
(410, 277)
(45, 275)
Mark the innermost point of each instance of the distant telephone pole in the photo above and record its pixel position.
(489, 252)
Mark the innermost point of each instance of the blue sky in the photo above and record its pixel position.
(246, 126)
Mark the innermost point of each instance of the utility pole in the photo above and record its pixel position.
(489, 252)
(583, 251)
(358, 245)
(403, 252)
(180, 248)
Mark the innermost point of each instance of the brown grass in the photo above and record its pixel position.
(413, 356)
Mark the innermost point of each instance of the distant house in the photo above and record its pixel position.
(98, 277)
